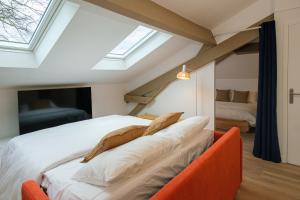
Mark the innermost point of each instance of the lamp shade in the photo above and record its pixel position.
(183, 74)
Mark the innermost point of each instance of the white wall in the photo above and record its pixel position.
(239, 72)
(106, 99)
(178, 96)
(167, 64)
(193, 97)
(238, 67)
(8, 113)
(237, 84)
(206, 93)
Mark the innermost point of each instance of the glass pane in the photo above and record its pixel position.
(19, 19)
(131, 40)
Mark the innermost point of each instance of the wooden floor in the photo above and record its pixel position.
(266, 180)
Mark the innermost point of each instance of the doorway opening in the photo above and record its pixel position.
(236, 91)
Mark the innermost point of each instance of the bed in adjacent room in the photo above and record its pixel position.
(236, 108)
(53, 156)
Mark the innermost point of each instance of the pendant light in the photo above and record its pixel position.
(183, 74)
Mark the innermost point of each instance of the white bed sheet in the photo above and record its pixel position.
(30, 155)
(61, 186)
(237, 111)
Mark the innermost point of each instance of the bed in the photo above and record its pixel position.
(230, 114)
(63, 146)
(203, 179)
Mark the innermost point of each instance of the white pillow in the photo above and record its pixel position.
(126, 160)
(185, 129)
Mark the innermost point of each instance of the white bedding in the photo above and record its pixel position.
(29, 156)
(237, 111)
(61, 186)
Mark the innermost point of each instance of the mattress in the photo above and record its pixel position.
(61, 186)
(237, 111)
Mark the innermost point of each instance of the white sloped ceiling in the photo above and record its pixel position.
(91, 34)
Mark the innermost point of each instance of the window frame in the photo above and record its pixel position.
(39, 32)
(113, 56)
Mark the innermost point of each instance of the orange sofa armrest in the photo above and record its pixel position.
(32, 191)
(218, 135)
(215, 175)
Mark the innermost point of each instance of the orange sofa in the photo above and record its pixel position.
(215, 175)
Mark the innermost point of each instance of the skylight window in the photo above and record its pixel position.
(22, 21)
(131, 42)
(136, 46)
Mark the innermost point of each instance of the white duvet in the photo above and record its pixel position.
(29, 156)
(237, 111)
(144, 184)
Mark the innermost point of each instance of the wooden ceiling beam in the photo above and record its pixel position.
(138, 99)
(155, 15)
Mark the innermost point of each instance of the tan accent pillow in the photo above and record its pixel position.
(162, 122)
(240, 96)
(148, 116)
(252, 97)
(223, 95)
(116, 138)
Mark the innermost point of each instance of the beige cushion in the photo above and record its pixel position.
(240, 96)
(252, 98)
(162, 122)
(116, 138)
(148, 116)
(223, 95)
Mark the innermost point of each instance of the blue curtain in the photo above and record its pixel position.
(266, 140)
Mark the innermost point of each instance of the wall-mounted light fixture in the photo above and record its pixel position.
(183, 74)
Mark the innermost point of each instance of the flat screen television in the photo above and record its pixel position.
(40, 109)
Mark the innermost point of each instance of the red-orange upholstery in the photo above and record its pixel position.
(215, 175)
(32, 191)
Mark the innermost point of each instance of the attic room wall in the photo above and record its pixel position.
(193, 97)
(107, 99)
(239, 72)
(8, 113)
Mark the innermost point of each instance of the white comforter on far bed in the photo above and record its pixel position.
(29, 156)
(237, 111)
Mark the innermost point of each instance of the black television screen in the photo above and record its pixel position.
(40, 109)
